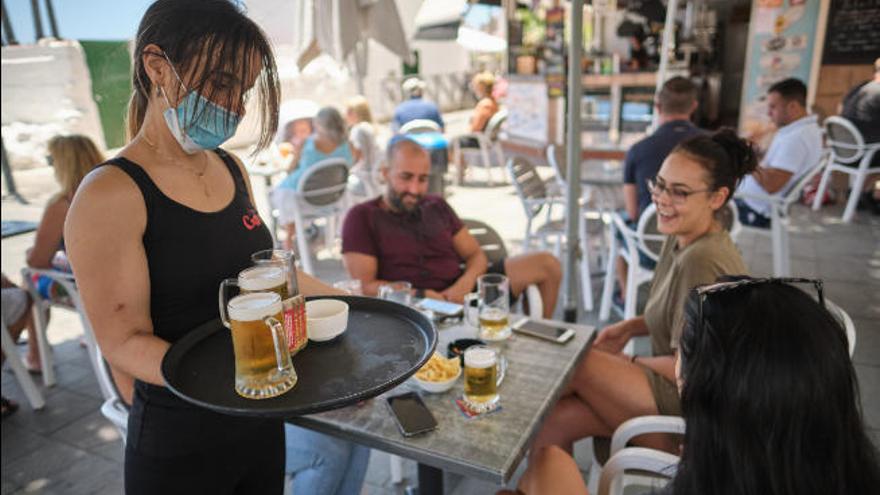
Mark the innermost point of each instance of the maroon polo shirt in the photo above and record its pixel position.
(414, 248)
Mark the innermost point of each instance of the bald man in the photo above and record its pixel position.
(407, 235)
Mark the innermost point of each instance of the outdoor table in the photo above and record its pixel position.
(595, 174)
(488, 447)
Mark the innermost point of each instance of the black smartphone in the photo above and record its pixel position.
(546, 331)
(412, 415)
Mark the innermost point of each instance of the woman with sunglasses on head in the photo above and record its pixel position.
(152, 232)
(693, 185)
(769, 396)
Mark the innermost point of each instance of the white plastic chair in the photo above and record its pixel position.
(113, 408)
(534, 198)
(34, 397)
(848, 154)
(419, 125)
(322, 192)
(489, 145)
(780, 218)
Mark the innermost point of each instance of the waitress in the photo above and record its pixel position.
(152, 233)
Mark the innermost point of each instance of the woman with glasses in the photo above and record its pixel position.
(769, 396)
(693, 185)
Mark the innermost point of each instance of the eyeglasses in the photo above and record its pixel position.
(706, 290)
(678, 195)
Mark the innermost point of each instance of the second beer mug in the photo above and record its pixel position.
(262, 361)
(493, 307)
(481, 377)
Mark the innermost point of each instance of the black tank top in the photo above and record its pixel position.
(190, 252)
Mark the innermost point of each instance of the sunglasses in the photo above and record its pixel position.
(703, 292)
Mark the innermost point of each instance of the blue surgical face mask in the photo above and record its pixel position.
(212, 127)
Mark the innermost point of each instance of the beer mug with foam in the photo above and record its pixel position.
(262, 361)
(266, 278)
(294, 303)
(482, 375)
(493, 307)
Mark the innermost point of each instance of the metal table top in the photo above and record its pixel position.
(488, 447)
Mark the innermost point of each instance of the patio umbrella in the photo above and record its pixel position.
(439, 20)
(340, 28)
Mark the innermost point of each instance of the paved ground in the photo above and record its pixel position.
(69, 448)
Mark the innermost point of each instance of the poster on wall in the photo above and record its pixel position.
(527, 104)
(781, 44)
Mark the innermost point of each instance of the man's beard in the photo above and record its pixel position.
(396, 201)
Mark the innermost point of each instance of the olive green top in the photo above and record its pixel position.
(677, 272)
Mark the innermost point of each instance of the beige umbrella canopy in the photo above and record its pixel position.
(342, 27)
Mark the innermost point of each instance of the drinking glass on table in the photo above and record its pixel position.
(482, 375)
(399, 292)
(493, 307)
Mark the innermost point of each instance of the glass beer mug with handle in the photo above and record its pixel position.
(258, 279)
(294, 303)
(262, 361)
(483, 374)
(493, 307)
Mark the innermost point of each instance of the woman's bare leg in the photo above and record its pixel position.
(552, 471)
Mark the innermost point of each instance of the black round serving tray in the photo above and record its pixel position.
(385, 343)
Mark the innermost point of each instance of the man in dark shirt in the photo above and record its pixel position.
(674, 104)
(861, 106)
(415, 107)
(406, 235)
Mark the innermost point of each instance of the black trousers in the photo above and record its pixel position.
(174, 448)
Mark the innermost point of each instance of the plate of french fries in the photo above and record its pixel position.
(438, 374)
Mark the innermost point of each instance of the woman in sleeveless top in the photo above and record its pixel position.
(152, 233)
(694, 183)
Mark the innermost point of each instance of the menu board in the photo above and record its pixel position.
(781, 43)
(527, 106)
(853, 34)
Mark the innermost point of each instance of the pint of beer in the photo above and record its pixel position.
(262, 361)
(480, 377)
(263, 279)
(493, 307)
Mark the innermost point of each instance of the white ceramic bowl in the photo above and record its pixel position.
(326, 319)
(437, 387)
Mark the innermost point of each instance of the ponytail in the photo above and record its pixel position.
(726, 157)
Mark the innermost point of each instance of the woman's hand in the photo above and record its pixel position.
(613, 337)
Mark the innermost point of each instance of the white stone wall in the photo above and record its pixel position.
(46, 90)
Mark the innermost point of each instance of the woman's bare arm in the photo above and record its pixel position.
(49, 234)
(103, 234)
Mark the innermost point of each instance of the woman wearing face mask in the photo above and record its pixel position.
(695, 181)
(152, 232)
(330, 140)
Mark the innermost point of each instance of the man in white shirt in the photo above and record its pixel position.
(795, 149)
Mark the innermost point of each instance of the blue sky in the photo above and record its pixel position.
(118, 19)
(80, 19)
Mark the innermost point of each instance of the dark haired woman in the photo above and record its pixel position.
(769, 395)
(694, 183)
(151, 234)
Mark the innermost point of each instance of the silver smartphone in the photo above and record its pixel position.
(547, 331)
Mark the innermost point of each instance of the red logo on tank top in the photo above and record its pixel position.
(251, 220)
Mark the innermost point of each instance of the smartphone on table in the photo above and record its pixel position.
(411, 414)
(557, 333)
(443, 308)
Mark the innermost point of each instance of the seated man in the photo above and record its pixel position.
(795, 149)
(674, 104)
(408, 236)
(415, 107)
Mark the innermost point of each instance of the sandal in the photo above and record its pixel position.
(8, 407)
